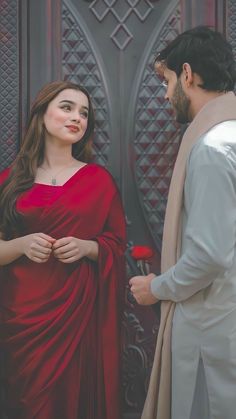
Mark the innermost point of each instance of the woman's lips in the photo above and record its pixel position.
(73, 128)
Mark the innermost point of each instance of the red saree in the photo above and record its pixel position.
(60, 323)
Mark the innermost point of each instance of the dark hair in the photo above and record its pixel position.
(31, 154)
(209, 55)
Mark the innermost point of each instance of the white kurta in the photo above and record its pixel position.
(203, 283)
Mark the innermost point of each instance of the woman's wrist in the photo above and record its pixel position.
(92, 250)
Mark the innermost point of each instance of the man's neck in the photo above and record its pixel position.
(201, 99)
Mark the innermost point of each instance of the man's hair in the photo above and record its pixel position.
(209, 55)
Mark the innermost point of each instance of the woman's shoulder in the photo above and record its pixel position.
(100, 170)
(103, 174)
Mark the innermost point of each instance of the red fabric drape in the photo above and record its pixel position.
(59, 323)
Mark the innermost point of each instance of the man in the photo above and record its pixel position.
(199, 240)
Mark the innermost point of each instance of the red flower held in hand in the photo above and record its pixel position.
(142, 252)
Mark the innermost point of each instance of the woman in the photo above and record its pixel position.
(62, 268)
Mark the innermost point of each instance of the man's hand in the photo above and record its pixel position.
(140, 287)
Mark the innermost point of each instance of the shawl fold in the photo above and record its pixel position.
(220, 109)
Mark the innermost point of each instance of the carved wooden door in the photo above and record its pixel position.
(108, 46)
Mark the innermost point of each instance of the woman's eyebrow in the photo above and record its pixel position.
(67, 101)
(72, 103)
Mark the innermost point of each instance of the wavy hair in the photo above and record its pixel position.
(31, 154)
(207, 52)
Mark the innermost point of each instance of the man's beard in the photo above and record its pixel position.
(181, 104)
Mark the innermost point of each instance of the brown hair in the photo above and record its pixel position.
(31, 155)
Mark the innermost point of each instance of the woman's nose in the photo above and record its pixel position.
(75, 117)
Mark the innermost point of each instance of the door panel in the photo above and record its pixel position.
(9, 81)
(136, 137)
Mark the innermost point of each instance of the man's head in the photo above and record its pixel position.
(198, 63)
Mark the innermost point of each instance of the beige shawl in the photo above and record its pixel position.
(222, 108)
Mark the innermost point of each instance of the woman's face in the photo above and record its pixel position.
(66, 117)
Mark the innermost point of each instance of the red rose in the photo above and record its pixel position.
(142, 252)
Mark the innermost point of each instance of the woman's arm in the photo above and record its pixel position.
(37, 247)
(10, 250)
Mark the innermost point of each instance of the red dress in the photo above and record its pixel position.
(60, 323)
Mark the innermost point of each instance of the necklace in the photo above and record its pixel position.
(54, 176)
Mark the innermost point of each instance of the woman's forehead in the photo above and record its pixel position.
(72, 95)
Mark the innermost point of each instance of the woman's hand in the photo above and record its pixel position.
(71, 249)
(37, 246)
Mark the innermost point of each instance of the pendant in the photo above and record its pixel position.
(53, 181)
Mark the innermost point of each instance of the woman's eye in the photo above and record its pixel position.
(66, 107)
(84, 114)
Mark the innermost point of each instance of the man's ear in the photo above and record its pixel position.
(187, 74)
